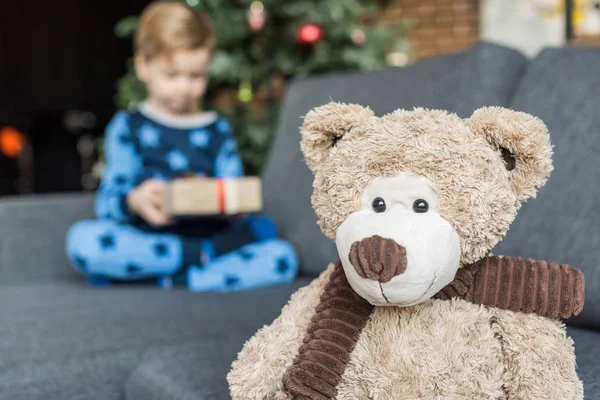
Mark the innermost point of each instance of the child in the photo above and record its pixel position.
(166, 137)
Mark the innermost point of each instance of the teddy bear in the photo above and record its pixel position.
(417, 307)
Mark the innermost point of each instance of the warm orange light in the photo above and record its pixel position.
(12, 141)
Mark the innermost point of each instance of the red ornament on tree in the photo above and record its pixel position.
(309, 34)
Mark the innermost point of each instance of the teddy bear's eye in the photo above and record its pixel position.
(379, 205)
(420, 206)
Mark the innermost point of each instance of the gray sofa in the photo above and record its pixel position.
(60, 339)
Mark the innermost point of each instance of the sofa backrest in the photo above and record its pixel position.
(562, 86)
(32, 232)
(485, 75)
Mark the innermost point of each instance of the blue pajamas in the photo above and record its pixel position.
(255, 265)
(107, 249)
(208, 254)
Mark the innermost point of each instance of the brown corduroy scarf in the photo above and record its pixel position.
(528, 286)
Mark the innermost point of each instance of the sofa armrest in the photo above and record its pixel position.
(32, 235)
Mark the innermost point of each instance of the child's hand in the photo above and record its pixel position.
(146, 200)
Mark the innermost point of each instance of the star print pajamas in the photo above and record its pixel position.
(208, 254)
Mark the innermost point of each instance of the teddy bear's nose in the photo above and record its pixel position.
(378, 258)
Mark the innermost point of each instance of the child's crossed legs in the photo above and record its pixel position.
(105, 249)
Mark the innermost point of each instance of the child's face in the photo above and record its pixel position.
(176, 81)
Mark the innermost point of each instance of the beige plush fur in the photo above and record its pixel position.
(539, 357)
(258, 371)
(477, 194)
(438, 349)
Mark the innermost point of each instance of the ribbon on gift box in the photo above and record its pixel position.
(221, 195)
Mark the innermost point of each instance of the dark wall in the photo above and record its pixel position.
(62, 54)
(57, 56)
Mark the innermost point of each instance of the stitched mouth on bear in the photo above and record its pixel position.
(383, 294)
(420, 297)
(432, 282)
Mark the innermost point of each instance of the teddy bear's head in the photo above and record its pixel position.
(412, 196)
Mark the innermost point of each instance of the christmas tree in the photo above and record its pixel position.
(262, 44)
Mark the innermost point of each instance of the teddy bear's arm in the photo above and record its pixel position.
(539, 358)
(258, 372)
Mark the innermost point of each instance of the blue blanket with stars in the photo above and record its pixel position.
(208, 254)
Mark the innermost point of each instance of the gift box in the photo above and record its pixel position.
(212, 196)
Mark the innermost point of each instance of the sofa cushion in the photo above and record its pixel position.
(587, 351)
(35, 251)
(485, 75)
(198, 371)
(562, 224)
(64, 340)
(188, 372)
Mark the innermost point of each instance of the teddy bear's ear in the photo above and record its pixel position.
(324, 126)
(522, 141)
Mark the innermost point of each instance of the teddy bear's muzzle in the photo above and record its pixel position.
(378, 258)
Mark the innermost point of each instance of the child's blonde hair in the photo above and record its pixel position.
(167, 26)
